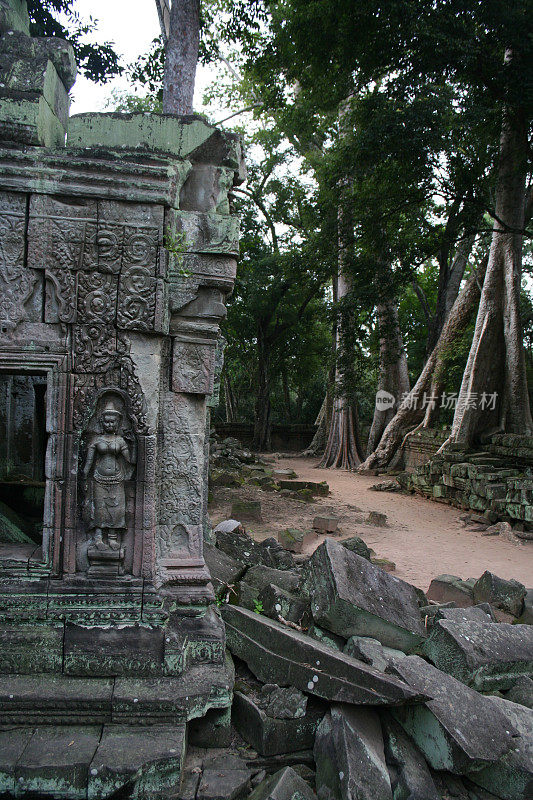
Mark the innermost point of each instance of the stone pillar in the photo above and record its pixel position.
(118, 250)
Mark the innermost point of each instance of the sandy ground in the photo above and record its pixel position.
(423, 538)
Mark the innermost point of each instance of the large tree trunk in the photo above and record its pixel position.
(181, 57)
(411, 411)
(262, 422)
(229, 398)
(393, 373)
(341, 448)
(496, 363)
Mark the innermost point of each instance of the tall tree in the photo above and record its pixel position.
(181, 56)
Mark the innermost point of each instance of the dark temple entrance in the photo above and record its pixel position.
(22, 457)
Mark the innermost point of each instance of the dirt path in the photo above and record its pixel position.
(424, 538)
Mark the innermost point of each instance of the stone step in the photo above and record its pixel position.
(91, 762)
(46, 699)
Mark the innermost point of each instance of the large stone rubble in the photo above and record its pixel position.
(376, 692)
(495, 480)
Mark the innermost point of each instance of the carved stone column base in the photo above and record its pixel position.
(105, 562)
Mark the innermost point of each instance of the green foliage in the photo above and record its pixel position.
(258, 607)
(98, 61)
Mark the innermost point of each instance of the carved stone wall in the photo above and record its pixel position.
(117, 252)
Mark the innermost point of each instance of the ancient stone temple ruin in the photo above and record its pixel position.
(117, 250)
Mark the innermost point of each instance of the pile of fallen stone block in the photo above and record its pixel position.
(231, 465)
(496, 480)
(352, 684)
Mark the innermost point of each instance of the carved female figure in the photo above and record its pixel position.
(109, 464)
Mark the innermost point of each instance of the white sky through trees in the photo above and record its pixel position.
(131, 25)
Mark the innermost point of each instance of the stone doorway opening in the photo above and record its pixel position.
(23, 440)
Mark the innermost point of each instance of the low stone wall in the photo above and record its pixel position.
(496, 480)
(287, 438)
(422, 446)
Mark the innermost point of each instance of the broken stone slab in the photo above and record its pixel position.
(13, 742)
(225, 777)
(282, 702)
(378, 519)
(258, 578)
(351, 597)
(458, 730)
(321, 489)
(370, 651)
(521, 692)
(275, 555)
(356, 545)
(287, 474)
(57, 759)
(295, 540)
(225, 571)
(229, 526)
(276, 602)
(326, 637)
(325, 524)
(484, 655)
(278, 654)
(409, 774)
(246, 510)
(284, 785)
(349, 755)
(526, 617)
(149, 756)
(273, 735)
(238, 545)
(507, 595)
(511, 778)
(480, 613)
(450, 588)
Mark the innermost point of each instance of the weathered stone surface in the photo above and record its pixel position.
(479, 613)
(371, 651)
(325, 524)
(511, 778)
(450, 588)
(526, 617)
(284, 785)
(257, 578)
(276, 602)
(349, 756)
(350, 596)
(295, 540)
(273, 735)
(57, 760)
(458, 730)
(243, 548)
(228, 526)
(150, 757)
(277, 654)
(326, 637)
(484, 655)
(356, 545)
(521, 692)
(225, 571)
(31, 648)
(13, 742)
(282, 703)
(409, 773)
(225, 777)
(136, 650)
(53, 699)
(507, 595)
